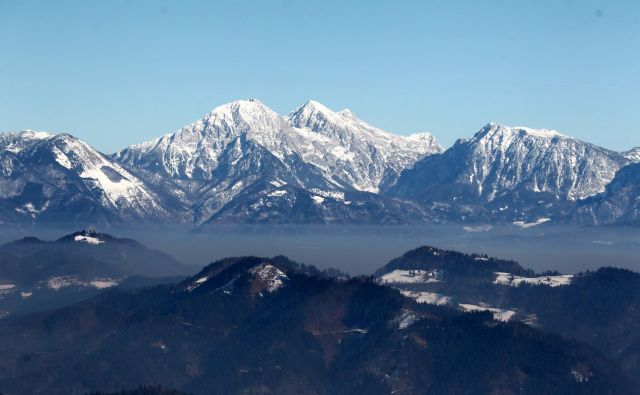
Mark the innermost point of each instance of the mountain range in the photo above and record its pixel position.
(244, 163)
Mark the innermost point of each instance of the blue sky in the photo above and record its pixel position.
(121, 72)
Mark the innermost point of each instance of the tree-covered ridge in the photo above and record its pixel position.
(257, 325)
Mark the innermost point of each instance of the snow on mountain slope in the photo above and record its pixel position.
(633, 154)
(366, 157)
(348, 152)
(244, 145)
(243, 162)
(511, 165)
(59, 176)
(276, 202)
(193, 151)
(16, 142)
(619, 203)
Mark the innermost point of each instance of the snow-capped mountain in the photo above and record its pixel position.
(344, 149)
(244, 163)
(619, 203)
(357, 154)
(246, 148)
(512, 169)
(58, 178)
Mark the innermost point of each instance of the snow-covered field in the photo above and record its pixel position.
(409, 277)
(7, 288)
(514, 281)
(60, 282)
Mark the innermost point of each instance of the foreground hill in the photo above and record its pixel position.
(255, 325)
(599, 308)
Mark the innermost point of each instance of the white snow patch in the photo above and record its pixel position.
(271, 275)
(277, 193)
(122, 188)
(197, 283)
(59, 282)
(427, 297)
(7, 288)
(406, 319)
(337, 195)
(526, 225)
(103, 283)
(160, 345)
(29, 208)
(503, 278)
(88, 239)
(541, 133)
(498, 314)
(62, 158)
(409, 277)
(343, 154)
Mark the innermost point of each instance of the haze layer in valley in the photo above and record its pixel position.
(363, 249)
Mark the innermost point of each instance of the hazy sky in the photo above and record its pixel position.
(121, 72)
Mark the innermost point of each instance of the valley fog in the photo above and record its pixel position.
(363, 249)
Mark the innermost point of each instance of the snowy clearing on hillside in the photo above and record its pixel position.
(514, 281)
(271, 275)
(409, 277)
(103, 283)
(7, 288)
(427, 297)
(60, 282)
(498, 314)
(197, 283)
(406, 319)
